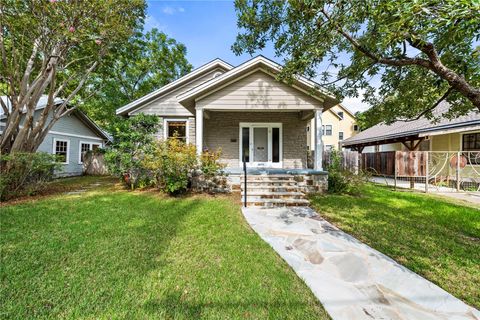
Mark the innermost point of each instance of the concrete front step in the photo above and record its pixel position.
(269, 188)
(274, 194)
(270, 181)
(270, 178)
(268, 203)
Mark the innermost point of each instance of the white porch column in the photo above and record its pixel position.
(199, 130)
(318, 140)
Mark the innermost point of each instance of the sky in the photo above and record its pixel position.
(208, 30)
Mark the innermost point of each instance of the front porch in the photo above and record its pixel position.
(266, 140)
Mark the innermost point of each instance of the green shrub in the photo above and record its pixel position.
(343, 181)
(25, 173)
(210, 165)
(172, 163)
(133, 139)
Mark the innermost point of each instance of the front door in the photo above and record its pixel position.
(260, 144)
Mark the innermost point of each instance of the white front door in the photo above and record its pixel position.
(261, 144)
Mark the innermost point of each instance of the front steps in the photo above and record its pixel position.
(273, 190)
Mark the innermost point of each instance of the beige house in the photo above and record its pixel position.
(338, 124)
(245, 112)
(459, 134)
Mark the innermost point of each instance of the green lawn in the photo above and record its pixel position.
(437, 239)
(114, 254)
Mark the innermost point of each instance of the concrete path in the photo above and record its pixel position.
(351, 280)
(469, 196)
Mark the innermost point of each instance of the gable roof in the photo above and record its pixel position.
(42, 103)
(421, 127)
(335, 113)
(312, 88)
(214, 64)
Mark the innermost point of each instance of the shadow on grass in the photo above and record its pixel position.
(98, 247)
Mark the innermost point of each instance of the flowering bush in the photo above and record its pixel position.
(210, 165)
(172, 163)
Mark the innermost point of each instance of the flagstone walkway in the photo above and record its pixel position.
(351, 280)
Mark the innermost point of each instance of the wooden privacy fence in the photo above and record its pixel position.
(349, 159)
(94, 164)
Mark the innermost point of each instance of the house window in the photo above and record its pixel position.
(340, 114)
(84, 148)
(327, 130)
(60, 149)
(471, 142)
(176, 129)
(340, 135)
(355, 127)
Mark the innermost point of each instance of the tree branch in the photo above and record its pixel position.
(424, 112)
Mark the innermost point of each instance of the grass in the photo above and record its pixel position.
(435, 238)
(113, 254)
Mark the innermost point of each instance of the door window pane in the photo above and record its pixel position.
(245, 144)
(260, 144)
(275, 144)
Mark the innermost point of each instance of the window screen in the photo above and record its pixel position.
(61, 150)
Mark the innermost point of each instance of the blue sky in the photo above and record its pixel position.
(208, 29)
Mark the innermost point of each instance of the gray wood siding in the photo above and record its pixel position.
(71, 124)
(168, 105)
(258, 91)
(73, 167)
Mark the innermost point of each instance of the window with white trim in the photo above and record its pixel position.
(355, 127)
(340, 115)
(61, 150)
(340, 136)
(177, 129)
(327, 130)
(86, 147)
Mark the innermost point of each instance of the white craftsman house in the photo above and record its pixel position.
(244, 111)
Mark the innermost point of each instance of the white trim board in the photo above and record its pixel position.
(54, 149)
(187, 127)
(75, 135)
(210, 65)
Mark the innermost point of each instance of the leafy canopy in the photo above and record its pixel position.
(51, 48)
(421, 52)
(145, 63)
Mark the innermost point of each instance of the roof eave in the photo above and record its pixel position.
(216, 63)
(187, 98)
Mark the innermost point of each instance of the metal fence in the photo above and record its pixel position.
(444, 171)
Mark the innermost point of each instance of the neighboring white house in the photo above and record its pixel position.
(242, 110)
(70, 138)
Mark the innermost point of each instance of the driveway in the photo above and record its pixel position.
(351, 280)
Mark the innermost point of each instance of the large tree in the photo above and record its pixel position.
(404, 56)
(51, 48)
(146, 62)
